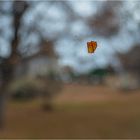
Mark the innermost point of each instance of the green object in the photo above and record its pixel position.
(98, 72)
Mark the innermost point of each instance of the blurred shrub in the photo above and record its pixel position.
(27, 88)
(24, 89)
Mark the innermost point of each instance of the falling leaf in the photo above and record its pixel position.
(91, 46)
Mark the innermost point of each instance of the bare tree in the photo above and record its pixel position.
(9, 64)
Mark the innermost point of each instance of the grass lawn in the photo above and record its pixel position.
(102, 119)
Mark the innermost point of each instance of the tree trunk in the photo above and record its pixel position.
(47, 101)
(2, 106)
(2, 110)
(7, 71)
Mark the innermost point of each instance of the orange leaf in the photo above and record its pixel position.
(91, 46)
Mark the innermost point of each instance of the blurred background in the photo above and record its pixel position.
(51, 87)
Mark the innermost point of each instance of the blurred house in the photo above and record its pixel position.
(67, 74)
(41, 63)
(38, 75)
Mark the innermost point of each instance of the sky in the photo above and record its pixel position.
(122, 42)
(71, 46)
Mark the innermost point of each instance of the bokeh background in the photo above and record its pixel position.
(51, 87)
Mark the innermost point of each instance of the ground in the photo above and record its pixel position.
(80, 111)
